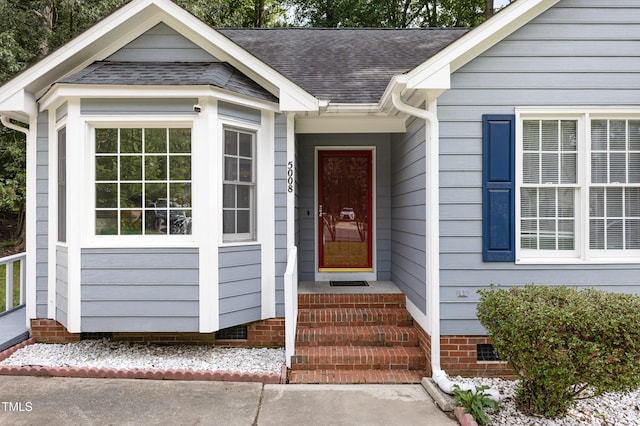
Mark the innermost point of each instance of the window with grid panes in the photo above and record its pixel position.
(562, 198)
(143, 181)
(549, 184)
(238, 204)
(614, 193)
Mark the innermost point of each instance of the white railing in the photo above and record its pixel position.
(291, 303)
(9, 263)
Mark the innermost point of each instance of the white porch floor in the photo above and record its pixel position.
(324, 287)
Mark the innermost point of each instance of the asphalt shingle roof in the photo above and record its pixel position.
(343, 65)
(218, 74)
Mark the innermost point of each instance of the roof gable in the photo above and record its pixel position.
(121, 28)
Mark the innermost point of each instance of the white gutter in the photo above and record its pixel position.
(12, 126)
(433, 240)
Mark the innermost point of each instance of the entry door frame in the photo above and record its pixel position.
(346, 276)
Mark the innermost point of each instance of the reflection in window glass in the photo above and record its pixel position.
(143, 181)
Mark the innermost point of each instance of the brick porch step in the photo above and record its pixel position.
(353, 317)
(358, 358)
(320, 301)
(356, 376)
(384, 335)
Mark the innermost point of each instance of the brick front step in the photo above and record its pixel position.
(355, 376)
(357, 336)
(353, 317)
(358, 358)
(320, 301)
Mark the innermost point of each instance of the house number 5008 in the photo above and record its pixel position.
(290, 176)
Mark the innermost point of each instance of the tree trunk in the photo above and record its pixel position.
(21, 241)
(46, 17)
(488, 9)
(259, 13)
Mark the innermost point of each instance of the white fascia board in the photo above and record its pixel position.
(376, 124)
(62, 91)
(478, 40)
(20, 101)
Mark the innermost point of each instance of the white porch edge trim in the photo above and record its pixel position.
(291, 304)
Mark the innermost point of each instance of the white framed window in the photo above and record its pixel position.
(239, 185)
(578, 187)
(143, 180)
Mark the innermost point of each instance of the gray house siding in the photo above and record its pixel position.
(62, 277)
(280, 191)
(136, 290)
(579, 53)
(100, 106)
(42, 213)
(161, 43)
(240, 285)
(306, 167)
(239, 112)
(408, 213)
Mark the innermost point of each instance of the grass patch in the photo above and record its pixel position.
(3, 287)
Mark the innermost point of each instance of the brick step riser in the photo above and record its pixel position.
(346, 336)
(356, 376)
(353, 318)
(329, 305)
(359, 365)
(380, 301)
(359, 358)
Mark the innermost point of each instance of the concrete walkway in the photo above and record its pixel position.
(63, 401)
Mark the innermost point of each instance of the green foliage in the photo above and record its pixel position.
(474, 403)
(564, 344)
(388, 13)
(12, 170)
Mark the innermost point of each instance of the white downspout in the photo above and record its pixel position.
(433, 222)
(12, 126)
(433, 239)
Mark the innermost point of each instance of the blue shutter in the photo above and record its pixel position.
(498, 188)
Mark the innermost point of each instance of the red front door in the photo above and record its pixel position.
(344, 210)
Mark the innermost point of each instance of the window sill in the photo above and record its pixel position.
(578, 261)
(141, 242)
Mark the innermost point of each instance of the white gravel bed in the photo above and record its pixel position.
(611, 409)
(126, 355)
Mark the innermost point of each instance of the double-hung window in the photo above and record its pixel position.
(143, 181)
(238, 204)
(579, 188)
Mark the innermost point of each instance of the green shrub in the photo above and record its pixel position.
(474, 403)
(564, 344)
